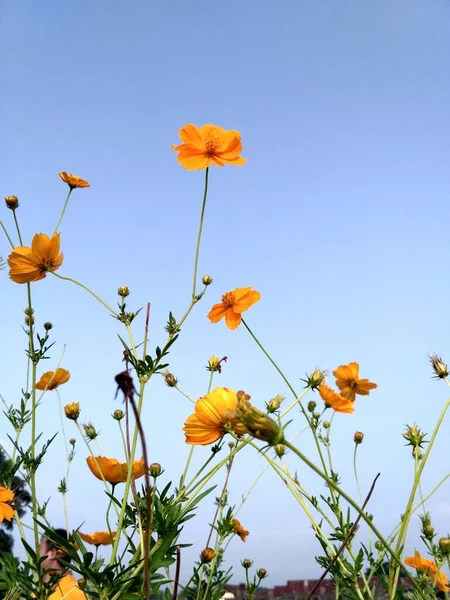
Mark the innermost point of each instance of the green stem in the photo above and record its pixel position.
(7, 234)
(87, 290)
(199, 236)
(17, 227)
(63, 211)
(61, 416)
(356, 473)
(394, 573)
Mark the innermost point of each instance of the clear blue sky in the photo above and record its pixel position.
(340, 219)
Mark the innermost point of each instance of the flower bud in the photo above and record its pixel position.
(246, 563)
(326, 424)
(118, 414)
(214, 363)
(444, 546)
(439, 367)
(72, 411)
(207, 555)
(315, 379)
(358, 437)
(414, 436)
(261, 573)
(72, 441)
(170, 379)
(274, 404)
(90, 431)
(280, 450)
(29, 311)
(379, 546)
(427, 528)
(261, 426)
(82, 583)
(155, 470)
(48, 326)
(207, 280)
(311, 406)
(123, 291)
(29, 320)
(12, 202)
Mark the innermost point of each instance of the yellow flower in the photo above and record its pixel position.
(31, 264)
(214, 414)
(335, 400)
(6, 511)
(113, 470)
(239, 530)
(233, 304)
(430, 568)
(73, 181)
(98, 538)
(349, 383)
(72, 411)
(208, 145)
(53, 379)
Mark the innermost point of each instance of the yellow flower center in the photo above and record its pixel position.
(212, 143)
(228, 299)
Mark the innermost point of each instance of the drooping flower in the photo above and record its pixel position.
(349, 383)
(73, 181)
(208, 145)
(98, 538)
(239, 530)
(214, 414)
(233, 304)
(53, 379)
(72, 411)
(6, 510)
(32, 264)
(430, 568)
(113, 470)
(335, 400)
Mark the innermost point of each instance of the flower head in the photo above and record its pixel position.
(439, 367)
(72, 411)
(113, 470)
(214, 414)
(233, 305)
(6, 510)
(335, 400)
(32, 264)
(349, 383)
(239, 530)
(73, 181)
(53, 379)
(430, 568)
(98, 538)
(207, 555)
(12, 202)
(208, 145)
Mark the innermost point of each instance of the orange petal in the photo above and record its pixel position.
(232, 319)
(217, 312)
(198, 433)
(243, 301)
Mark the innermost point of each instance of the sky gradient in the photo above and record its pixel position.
(340, 219)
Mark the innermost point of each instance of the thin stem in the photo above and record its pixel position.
(17, 227)
(355, 470)
(87, 290)
(63, 211)
(199, 236)
(62, 424)
(7, 234)
(183, 393)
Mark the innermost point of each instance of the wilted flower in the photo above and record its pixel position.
(98, 538)
(439, 367)
(72, 411)
(53, 379)
(207, 555)
(233, 304)
(6, 510)
(32, 264)
(73, 181)
(239, 530)
(208, 145)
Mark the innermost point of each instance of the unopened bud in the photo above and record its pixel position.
(414, 436)
(72, 411)
(29, 320)
(48, 326)
(123, 291)
(379, 546)
(90, 431)
(155, 470)
(311, 406)
(427, 528)
(274, 404)
(118, 414)
(246, 563)
(315, 379)
(82, 583)
(439, 367)
(358, 437)
(280, 450)
(207, 280)
(72, 441)
(444, 546)
(12, 202)
(326, 424)
(170, 379)
(214, 363)
(29, 311)
(261, 426)
(261, 573)
(207, 555)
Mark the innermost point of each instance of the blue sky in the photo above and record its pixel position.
(340, 220)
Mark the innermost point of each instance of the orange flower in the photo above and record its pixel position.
(208, 145)
(98, 538)
(31, 264)
(6, 511)
(214, 413)
(430, 568)
(335, 400)
(73, 181)
(239, 530)
(349, 383)
(233, 304)
(51, 379)
(113, 470)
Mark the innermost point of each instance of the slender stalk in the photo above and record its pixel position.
(7, 234)
(112, 311)
(199, 236)
(63, 211)
(17, 227)
(355, 470)
(62, 424)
